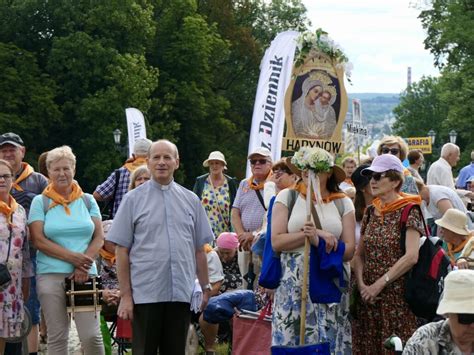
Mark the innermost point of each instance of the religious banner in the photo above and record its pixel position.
(316, 99)
(268, 118)
(135, 126)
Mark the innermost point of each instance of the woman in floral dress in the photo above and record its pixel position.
(324, 322)
(379, 263)
(14, 247)
(217, 192)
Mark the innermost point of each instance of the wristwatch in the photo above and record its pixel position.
(386, 278)
(207, 287)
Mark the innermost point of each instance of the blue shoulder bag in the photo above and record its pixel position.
(270, 274)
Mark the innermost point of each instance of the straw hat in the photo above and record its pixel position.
(215, 155)
(458, 293)
(455, 221)
(310, 154)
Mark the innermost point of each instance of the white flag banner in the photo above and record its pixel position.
(268, 119)
(135, 126)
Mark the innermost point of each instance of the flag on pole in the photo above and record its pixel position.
(268, 119)
(135, 126)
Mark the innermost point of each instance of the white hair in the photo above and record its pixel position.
(449, 148)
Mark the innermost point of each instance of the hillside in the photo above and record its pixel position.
(376, 111)
(375, 106)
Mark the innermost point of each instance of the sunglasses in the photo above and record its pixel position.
(261, 161)
(393, 151)
(280, 172)
(377, 176)
(465, 318)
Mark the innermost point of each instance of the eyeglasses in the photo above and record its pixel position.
(255, 161)
(465, 318)
(6, 176)
(393, 151)
(378, 176)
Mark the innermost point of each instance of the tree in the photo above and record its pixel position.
(27, 97)
(420, 109)
(450, 37)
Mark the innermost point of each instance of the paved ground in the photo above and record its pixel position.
(74, 344)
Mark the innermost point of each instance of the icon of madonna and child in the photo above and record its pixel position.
(315, 105)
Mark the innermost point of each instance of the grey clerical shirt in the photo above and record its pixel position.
(162, 226)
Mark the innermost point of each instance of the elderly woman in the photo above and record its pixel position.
(14, 257)
(217, 192)
(396, 146)
(227, 245)
(454, 231)
(324, 322)
(380, 265)
(454, 335)
(138, 177)
(66, 229)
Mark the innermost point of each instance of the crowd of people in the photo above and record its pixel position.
(161, 243)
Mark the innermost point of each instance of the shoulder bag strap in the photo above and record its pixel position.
(260, 198)
(340, 206)
(403, 223)
(10, 228)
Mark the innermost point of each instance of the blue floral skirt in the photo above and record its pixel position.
(324, 322)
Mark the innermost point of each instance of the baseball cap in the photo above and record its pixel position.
(384, 163)
(264, 152)
(141, 146)
(11, 138)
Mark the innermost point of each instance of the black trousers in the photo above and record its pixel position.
(162, 326)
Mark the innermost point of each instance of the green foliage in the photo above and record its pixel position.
(26, 98)
(69, 69)
(420, 109)
(447, 102)
(450, 31)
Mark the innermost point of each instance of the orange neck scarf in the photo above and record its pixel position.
(259, 186)
(8, 209)
(452, 250)
(207, 248)
(108, 256)
(60, 200)
(26, 170)
(349, 181)
(301, 188)
(401, 202)
(136, 163)
(406, 172)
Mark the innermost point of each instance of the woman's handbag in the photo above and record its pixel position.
(5, 276)
(252, 336)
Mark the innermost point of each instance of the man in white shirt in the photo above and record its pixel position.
(440, 172)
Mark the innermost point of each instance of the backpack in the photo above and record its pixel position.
(270, 273)
(424, 283)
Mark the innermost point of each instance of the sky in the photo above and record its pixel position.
(381, 38)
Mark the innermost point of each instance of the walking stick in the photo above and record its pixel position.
(304, 291)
